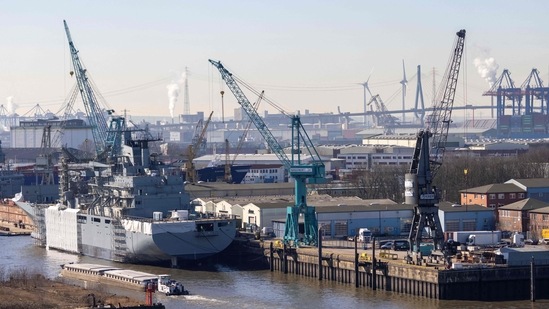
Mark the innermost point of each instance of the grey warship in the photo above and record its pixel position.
(136, 210)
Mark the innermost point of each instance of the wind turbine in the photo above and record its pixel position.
(366, 88)
(404, 84)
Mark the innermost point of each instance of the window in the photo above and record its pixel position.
(452, 225)
(512, 196)
(492, 206)
(501, 196)
(540, 194)
(492, 196)
(521, 195)
(469, 225)
(96, 220)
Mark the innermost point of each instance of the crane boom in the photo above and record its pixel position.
(440, 119)
(301, 172)
(418, 182)
(94, 113)
(192, 151)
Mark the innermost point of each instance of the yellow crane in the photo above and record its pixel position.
(190, 170)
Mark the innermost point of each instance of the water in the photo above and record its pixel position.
(228, 288)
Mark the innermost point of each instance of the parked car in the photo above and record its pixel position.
(531, 241)
(545, 241)
(387, 245)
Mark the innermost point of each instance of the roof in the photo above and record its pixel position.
(319, 201)
(542, 210)
(365, 208)
(532, 182)
(526, 204)
(454, 207)
(494, 188)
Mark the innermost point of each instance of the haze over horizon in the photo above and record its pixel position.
(305, 54)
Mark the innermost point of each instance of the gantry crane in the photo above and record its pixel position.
(300, 171)
(96, 118)
(190, 169)
(419, 189)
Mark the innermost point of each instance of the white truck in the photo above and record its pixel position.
(169, 286)
(483, 238)
(364, 235)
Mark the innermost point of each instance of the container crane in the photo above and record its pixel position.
(96, 118)
(301, 172)
(419, 189)
(190, 170)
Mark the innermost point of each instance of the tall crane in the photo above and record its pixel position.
(382, 116)
(419, 189)
(96, 118)
(190, 171)
(302, 172)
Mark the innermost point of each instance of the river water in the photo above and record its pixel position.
(225, 287)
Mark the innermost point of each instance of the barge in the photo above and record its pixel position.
(126, 278)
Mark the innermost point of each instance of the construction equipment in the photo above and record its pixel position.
(302, 172)
(190, 169)
(382, 117)
(428, 156)
(96, 118)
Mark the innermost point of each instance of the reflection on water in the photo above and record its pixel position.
(229, 288)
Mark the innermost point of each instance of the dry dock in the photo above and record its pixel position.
(389, 271)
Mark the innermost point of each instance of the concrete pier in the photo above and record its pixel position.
(482, 282)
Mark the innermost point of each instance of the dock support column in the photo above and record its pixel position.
(285, 259)
(320, 253)
(271, 256)
(532, 282)
(356, 262)
(374, 262)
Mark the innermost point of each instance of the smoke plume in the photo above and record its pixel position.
(487, 69)
(173, 92)
(10, 106)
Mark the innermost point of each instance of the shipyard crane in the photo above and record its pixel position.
(302, 172)
(190, 170)
(96, 118)
(428, 156)
(381, 115)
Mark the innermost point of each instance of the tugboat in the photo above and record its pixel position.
(170, 287)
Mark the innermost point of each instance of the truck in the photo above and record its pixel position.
(483, 238)
(364, 235)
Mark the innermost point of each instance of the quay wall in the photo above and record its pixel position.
(480, 282)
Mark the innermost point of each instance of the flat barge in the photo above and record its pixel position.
(125, 278)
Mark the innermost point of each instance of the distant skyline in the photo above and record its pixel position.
(305, 54)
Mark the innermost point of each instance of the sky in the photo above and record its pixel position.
(305, 54)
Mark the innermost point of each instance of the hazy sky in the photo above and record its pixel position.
(304, 54)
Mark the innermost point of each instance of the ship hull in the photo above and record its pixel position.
(136, 241)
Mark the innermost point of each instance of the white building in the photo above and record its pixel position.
(267, 173)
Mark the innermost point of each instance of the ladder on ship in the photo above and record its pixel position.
(119, 241)
(39, 226)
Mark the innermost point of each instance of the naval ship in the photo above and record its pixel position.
(136, 210)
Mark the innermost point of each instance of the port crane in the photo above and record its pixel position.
(428, 156)
(381, 115)
(302, 172)
(96, 118)
(192, 150)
